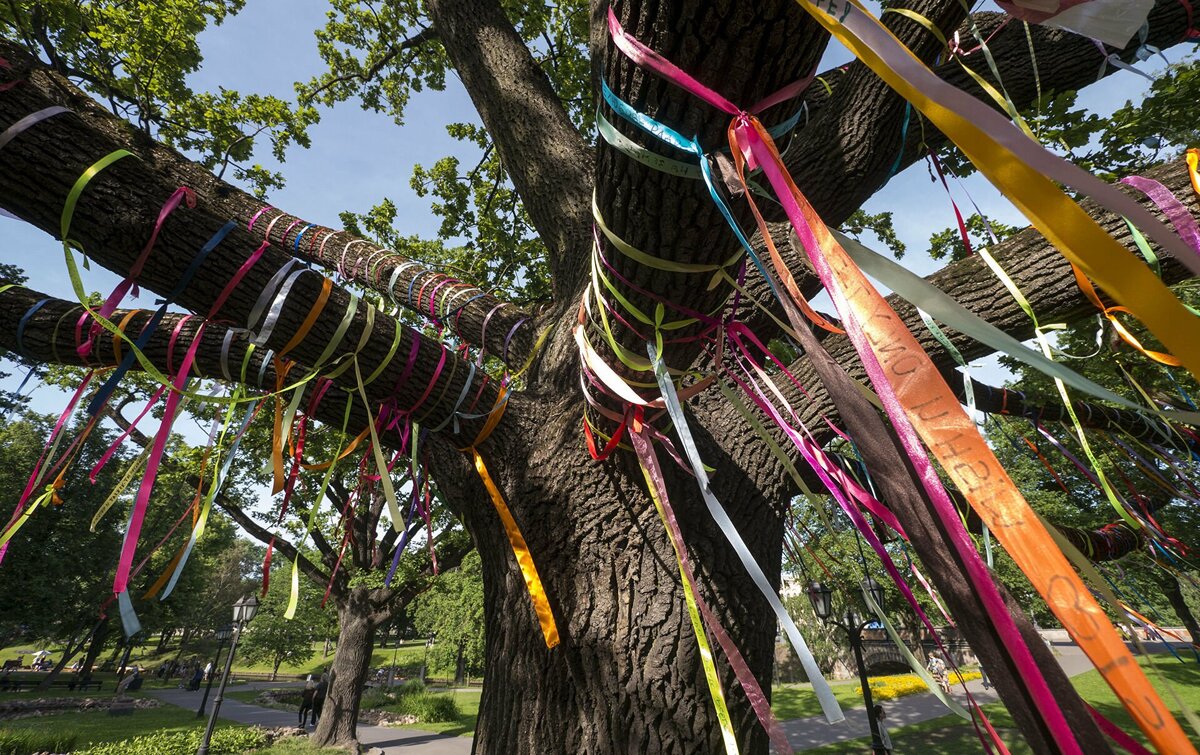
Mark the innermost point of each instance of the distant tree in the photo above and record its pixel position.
(273, 639)
(452, 612)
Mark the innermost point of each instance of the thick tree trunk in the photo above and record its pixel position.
(1174, 594)
(96, 645)
(627, 676)
(351, 662)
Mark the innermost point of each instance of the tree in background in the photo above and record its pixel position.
(273, 639)
(451, 611)
(626, 675)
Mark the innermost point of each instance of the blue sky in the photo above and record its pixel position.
(359, 157)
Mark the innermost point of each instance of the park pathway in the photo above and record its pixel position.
(378, 737)
(803, 733)
(808, 733)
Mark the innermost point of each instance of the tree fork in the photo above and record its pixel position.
(548, 161)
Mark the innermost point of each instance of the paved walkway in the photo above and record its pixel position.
(381, 737)
(803, 733)
(808, 733)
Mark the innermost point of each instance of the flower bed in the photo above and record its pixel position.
(900, 685)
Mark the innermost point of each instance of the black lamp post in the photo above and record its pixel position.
(243, 612)
(223, 635)
(852, 624)
(425, 662)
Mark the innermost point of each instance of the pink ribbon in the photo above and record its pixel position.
(138, 514)
(754, 694)
(1176, 211)
(959, 540)
(110, 304)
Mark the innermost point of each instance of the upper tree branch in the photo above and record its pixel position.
(410, 43)
(464, 309)
(850, 150)
(548, 160)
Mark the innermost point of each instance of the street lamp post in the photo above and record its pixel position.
(852, 624)
(243, 612)
(223, 635)
(425, 662)
(392, 671)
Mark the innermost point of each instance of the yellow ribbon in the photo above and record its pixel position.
(1193, 160)
(1058, 217)
(689, 595)
(533, 583)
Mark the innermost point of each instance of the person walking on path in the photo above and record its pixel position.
(884, 737)
(937, 668)
(306, 699)
(197, 677)
(319, 698)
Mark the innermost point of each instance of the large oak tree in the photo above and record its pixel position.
(626, 676)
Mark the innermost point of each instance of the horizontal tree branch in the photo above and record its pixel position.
(464, 309)
(114, 217)
(1034, 266)
(47, 336)
(993, 400)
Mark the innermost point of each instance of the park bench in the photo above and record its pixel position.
(13, 664)
(83, 686)
(21, 685)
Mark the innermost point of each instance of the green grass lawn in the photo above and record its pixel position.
(467, 701)
(408, 657)
(950, 735)
(95, 727)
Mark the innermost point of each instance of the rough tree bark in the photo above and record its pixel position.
(626, 677)
(1174, 592)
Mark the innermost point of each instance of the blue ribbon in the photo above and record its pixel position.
(22, 323)
(672, 137)
(110, 385)
(296, 245)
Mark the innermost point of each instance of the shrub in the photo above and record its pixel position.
(29, 741)
(376, 697)
(228, 741)
(411, 687)
(429, 708)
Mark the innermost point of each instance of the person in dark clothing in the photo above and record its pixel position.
(306, 699)
(197, 677)
(319, 698)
